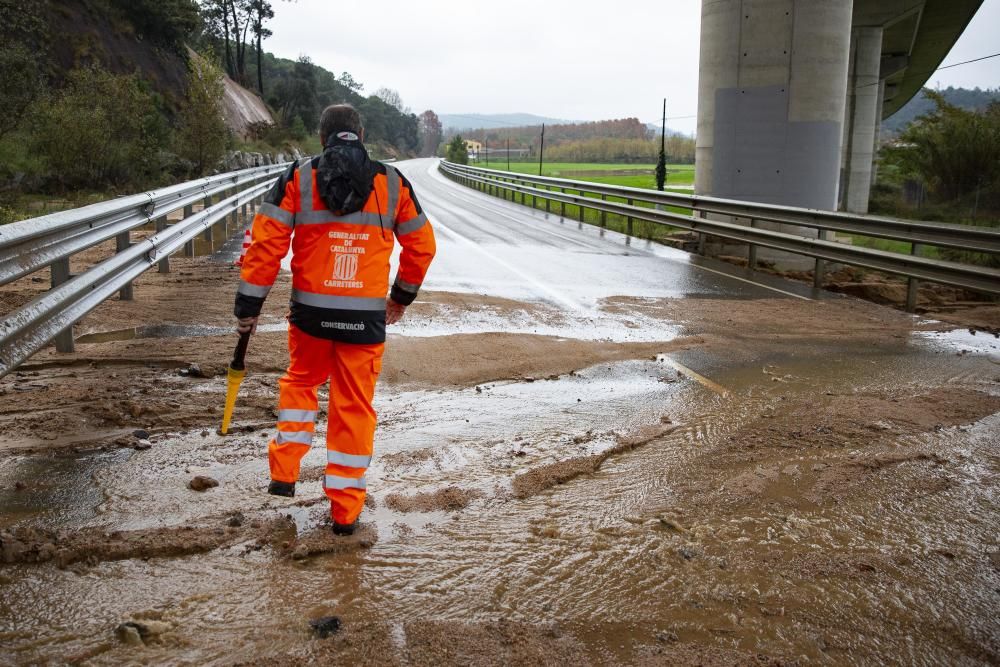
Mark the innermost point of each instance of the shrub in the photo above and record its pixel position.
(101, 130)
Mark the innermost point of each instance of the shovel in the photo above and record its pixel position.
(237, 371)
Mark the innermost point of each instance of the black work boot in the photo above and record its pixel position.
(286, 489)
(344, 528)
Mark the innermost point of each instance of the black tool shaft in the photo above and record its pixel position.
(240, 353)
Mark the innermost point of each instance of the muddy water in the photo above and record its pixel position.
(609, 552)
(829, 501)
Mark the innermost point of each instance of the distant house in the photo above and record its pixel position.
(473, 148)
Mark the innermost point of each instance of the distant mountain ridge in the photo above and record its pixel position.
(496, 121)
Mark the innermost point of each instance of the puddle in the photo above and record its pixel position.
(611, 543)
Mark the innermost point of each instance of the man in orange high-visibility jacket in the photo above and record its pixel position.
(339, 211)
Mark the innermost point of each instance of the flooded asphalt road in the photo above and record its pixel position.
(772, 498)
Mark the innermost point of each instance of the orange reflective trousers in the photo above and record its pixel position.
(352, 371)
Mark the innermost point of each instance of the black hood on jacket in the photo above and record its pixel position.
(345, 175)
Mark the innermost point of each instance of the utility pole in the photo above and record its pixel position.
(661, 160)
(541, 150)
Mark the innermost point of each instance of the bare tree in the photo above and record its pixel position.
(392, 98)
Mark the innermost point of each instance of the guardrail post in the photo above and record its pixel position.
(59, 273)
(628, 219)
(604, 214)
(164, 264)
(580, 204)
(562, 205)
(123, 243)
(235, 215)
(819, 268)
(189, 246)
(912, 284)
(548, 202)
(752, 255)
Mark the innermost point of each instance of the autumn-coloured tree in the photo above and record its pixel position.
(430, 133)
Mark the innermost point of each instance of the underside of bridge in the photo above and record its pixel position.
(792, 92)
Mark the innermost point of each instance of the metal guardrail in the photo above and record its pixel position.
(49, 241)
(912, 266)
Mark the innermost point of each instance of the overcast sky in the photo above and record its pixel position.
(557, 58)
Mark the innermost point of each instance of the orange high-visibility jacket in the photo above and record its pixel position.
(340, 263)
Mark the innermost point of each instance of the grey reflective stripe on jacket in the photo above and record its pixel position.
(249, 289)
(412, 225)
(405, 286)
(305, 186)
(278, 213)
(328, 218)
(338, 302)
(392, 185)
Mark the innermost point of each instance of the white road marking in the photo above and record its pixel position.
(540, 286)
(698, 266)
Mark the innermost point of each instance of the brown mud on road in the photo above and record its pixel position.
(827, 496)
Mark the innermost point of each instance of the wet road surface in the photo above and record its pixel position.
(647, 555)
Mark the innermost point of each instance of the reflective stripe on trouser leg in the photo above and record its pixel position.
(308, 368)
(351, 430)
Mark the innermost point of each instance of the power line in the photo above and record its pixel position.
(966, 62)
(910, 75)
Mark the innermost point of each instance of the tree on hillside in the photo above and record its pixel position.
(392, 98)
(954, 151)
(202, 134)
(231, 21)
(296, 96)
(350, 82)
(457, 152)
(21, 86)
(166, 22)
(260, 12)
(430, 133)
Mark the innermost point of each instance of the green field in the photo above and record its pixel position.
(677, 174)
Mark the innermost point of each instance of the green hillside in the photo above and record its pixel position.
(975, 99)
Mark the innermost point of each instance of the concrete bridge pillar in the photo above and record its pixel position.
(863, 117)
(771, 101)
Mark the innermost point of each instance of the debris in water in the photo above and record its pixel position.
(671, 524)
(324, 626)
(202, 483)
(128, 634)
(141, 434)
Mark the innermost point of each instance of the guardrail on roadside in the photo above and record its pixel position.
(596, 196)
(50, 241)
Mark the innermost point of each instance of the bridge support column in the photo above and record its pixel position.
(771, 100)
(863, 116)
